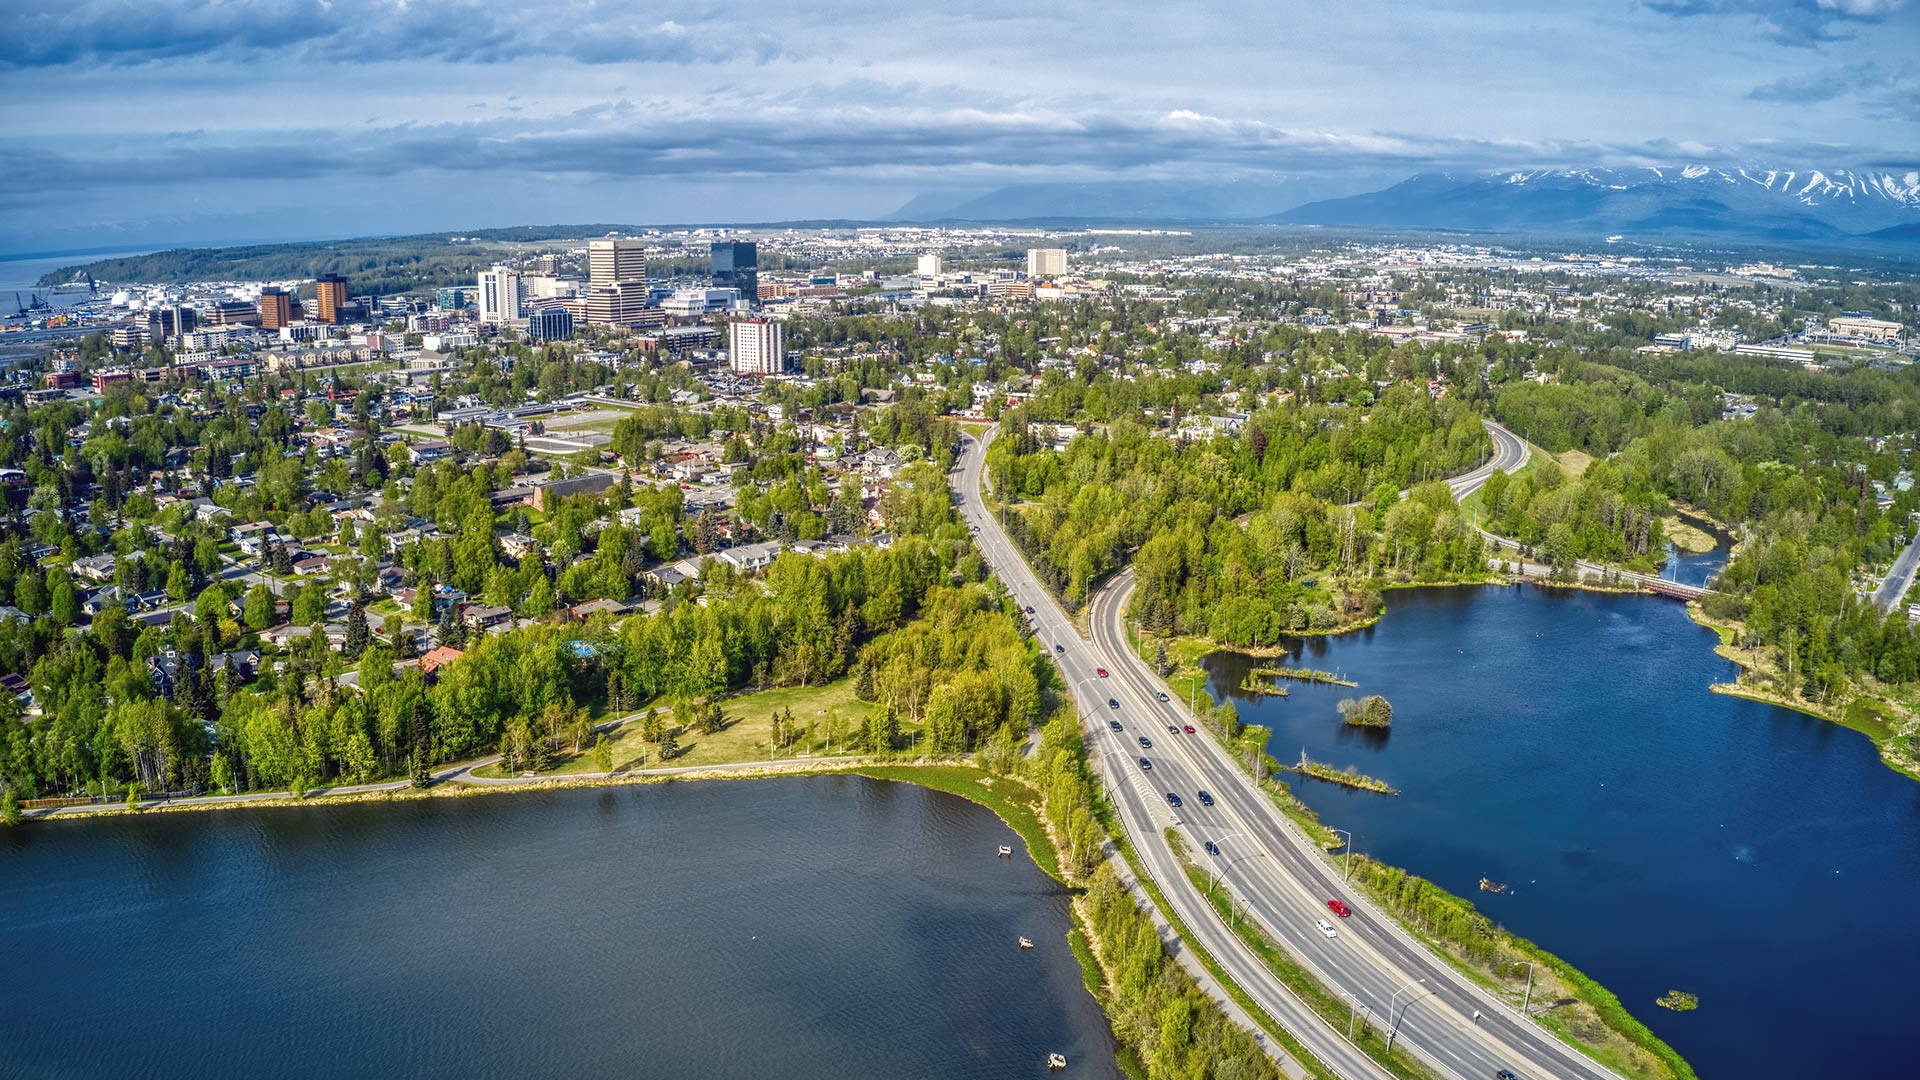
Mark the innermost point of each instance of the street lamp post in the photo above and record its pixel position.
(1528, 998)
(1193, 694)
(1215, 874)
(1393, 1027)
(1353, 1009)
(1349, 837)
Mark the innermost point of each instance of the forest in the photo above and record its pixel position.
(1289, 525)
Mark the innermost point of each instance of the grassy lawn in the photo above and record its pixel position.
(748, 733)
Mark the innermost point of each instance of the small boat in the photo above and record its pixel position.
(1026, 943)
(1006, 851)
(1056, 1061)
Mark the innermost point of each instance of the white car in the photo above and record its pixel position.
(1327, 928)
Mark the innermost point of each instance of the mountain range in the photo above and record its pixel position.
(1776, 205)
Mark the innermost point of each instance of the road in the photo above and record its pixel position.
(1899, 576)
(1265, 862)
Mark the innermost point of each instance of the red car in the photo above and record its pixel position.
(1189, 729)
(1339, 908)
(1102, 672)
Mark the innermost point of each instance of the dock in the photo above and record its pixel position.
(1006, 851)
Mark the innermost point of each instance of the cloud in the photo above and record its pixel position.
(908, 145)
(57, 33)
(1794, 23)
(1884, 93)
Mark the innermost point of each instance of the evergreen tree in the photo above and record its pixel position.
(669, 745)
(450, 632)
(357, 633)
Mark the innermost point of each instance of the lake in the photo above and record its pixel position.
(804, 927)
(1654, 834)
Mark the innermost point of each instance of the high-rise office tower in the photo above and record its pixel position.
(611, 261)
(276, 308)
(930, 265)
(550, 324)
(1046, 262)
(499, 295)
(736, 265)
(330, 295)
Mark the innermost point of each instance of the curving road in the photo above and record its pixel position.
(1267, 865)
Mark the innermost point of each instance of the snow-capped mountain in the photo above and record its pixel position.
(1642, 203)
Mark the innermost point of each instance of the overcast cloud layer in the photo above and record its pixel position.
(160, 121)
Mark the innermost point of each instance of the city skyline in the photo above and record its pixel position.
(165, 122)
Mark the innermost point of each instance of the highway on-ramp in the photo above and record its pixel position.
(1388, 980)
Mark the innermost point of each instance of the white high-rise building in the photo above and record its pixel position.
(612, 261)
(756, 346)
(499, 295)
(930, 265)
(1046, 262)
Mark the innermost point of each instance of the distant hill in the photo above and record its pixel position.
(1128, 200)
(1773, 205)
(1898, 234)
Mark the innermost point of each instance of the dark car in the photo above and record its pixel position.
(1146, 743)
(1163, 695)
(1506, 1074)
(1145, 764)
(1213, 848)
(1059, 648)
(1029, 609)
(1172, 799)
(1205, 799)
(1171, 730)
(1114, 724)
(1113, 703)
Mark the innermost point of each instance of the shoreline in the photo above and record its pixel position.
(1837, 715)
(457, 787)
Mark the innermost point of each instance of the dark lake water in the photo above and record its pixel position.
(821, 927)
(1654, 834)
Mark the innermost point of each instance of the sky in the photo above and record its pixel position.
(153, 122)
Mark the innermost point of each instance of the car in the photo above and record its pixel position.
(1327, 928)
(1172, 730)
(1188, 729)
(1100, 671)
(1213, 848)
(1206, 799)
(1146, 743)
(1113, 703)
(1145, 764)
(1339, 908)
(1173, 799)
(1029, 609)
(1163, 695)
(1114, 724)
(1059, 648)
(1506, 1074)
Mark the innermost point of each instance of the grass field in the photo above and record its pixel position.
(749, 731)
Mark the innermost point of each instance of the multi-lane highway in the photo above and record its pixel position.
(1388, 980)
